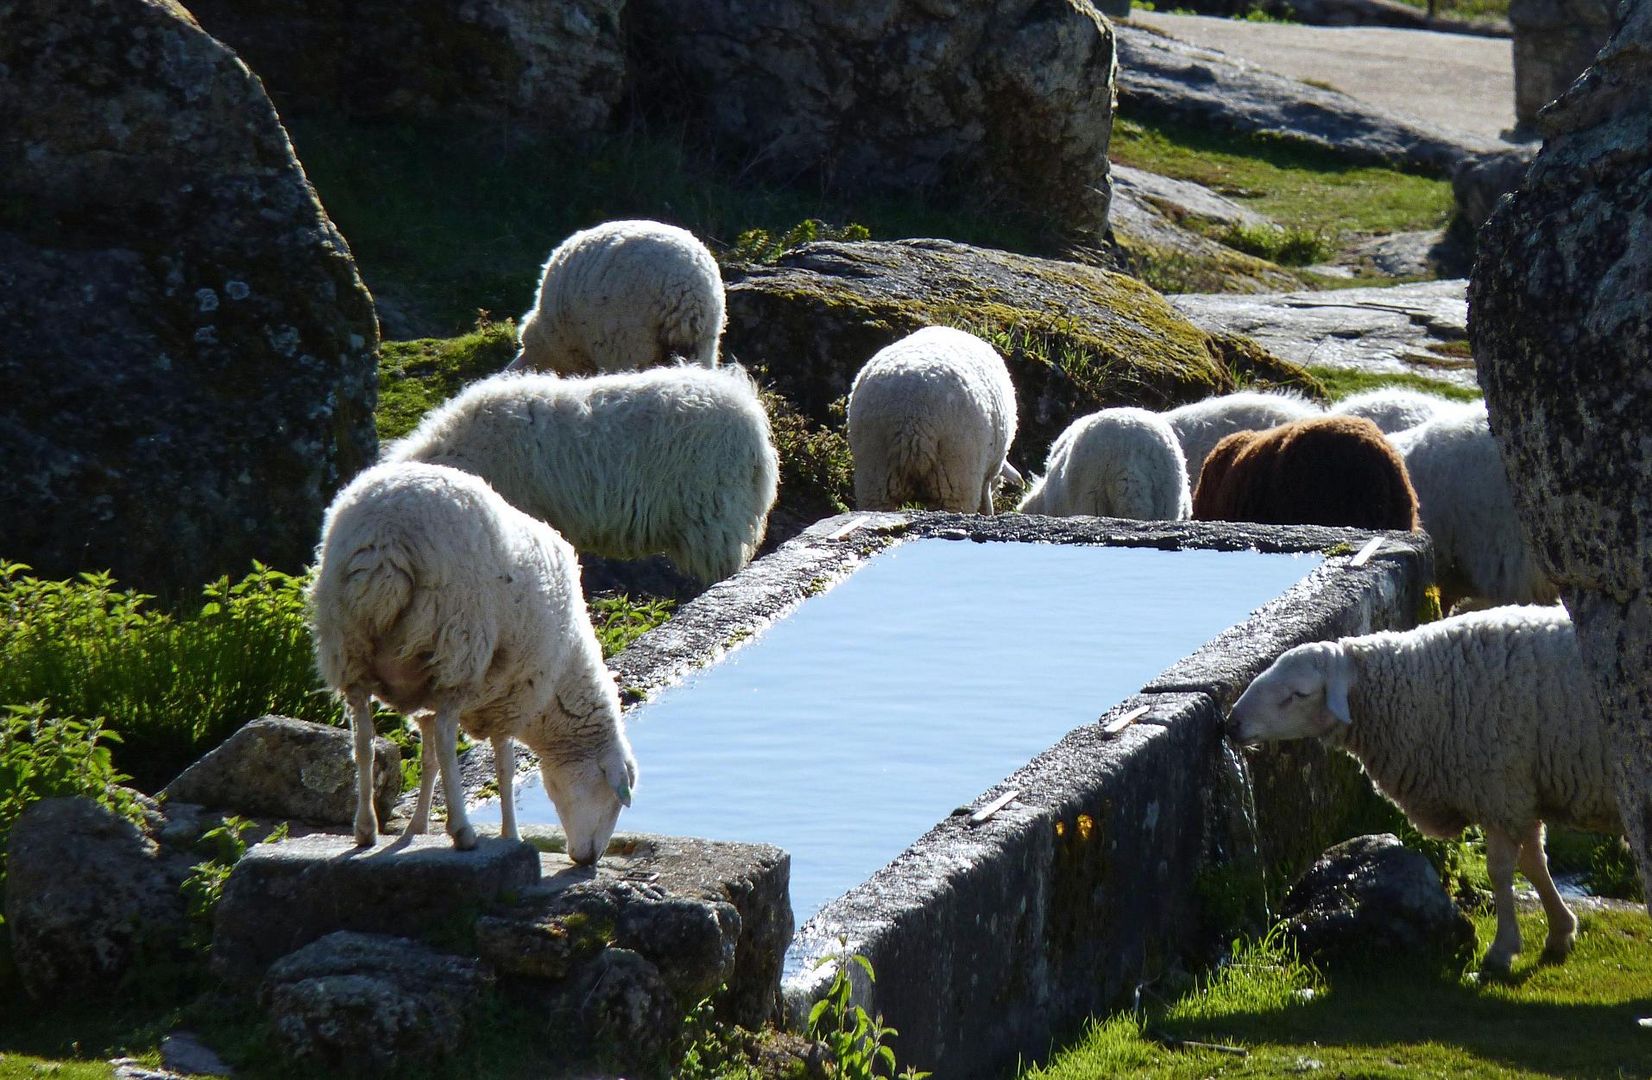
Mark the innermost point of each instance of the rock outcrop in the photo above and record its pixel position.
(1011, 100)
(280, 767)
(1419, 329)
(1160, 76)
(1561, 321)
(87, 895)
(1371, 899)
(1554, 40)
(1077, 338)
(188, 372)
(519, 66)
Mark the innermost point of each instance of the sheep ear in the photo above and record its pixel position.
(1339, 677)
(621, 783)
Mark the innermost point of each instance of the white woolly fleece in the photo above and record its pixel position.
(677, 460)
(621, 296)
(1122, 462)
(931, 418)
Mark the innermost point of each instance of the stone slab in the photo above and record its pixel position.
(1419, 329)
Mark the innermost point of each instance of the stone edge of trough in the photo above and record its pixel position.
(984, 938)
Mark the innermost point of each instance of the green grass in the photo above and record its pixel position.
(1287, 247)
(1340, 382)
(1577, 1019)
(1304, 189)
(416, 376)
(445, 222)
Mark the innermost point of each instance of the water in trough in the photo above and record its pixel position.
(851, 726)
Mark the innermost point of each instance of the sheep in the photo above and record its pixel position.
(1394, 408)
(1199, 426)
(931, 418)
(1115, 463)
(1467, 508)
(1325, 470)
(677, 460)
(1487, 718)
(436, 596)
(625, 294)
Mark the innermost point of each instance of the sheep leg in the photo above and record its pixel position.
(419, 823)
(1502, 850)
(1562, 923)
(986, 496)
(447, 749)
(361, 725)
(504, 767)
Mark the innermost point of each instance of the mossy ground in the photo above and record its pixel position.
(1340, 382)
(1280, 1018)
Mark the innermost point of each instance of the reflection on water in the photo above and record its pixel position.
(850, 727)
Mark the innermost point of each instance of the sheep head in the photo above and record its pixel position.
(1303, 694)
(588, 794)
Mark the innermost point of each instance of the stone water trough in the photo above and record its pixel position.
(1130, 845)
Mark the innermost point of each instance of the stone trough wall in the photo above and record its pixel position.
(1123, 855)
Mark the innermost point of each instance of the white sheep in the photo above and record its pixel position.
(1200, 425)
(623, 295)
(1394, 408)
(1122, 462)
(930, 420)
(439, 598)
(1487, 718)
(1467, 508)
(677, 460)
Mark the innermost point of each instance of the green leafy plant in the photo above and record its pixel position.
(43, 757)
(204, 886)
(762, 246)
(1286, 246)
(857, 1045)
(620, 620)
(172, 684)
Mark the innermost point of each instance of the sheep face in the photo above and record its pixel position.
(588, 795)
(1303, 694)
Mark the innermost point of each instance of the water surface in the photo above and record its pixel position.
(850, 727)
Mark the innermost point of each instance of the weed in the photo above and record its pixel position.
(708, 1049)
(620, 620)
(172, 685)
(856, 1044)
(761, 246)
(204, 886)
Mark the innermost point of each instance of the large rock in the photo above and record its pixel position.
(87, 896)
(1372, 899)
(1483, 179)
(1420, 329)
(188, 372)
(277, 766)
(1011, 100)
(1554, 40)
(281, 897)
(371, 1003)
(1561, 320)
(518, 65)
(1080, 338)
(1160, 76)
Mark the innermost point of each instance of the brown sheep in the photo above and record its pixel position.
(1325, 470)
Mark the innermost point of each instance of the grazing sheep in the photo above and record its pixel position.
(626, 294)
(1394, 408)
(676, 459)
(930, 420)
(1200, 425)
(1114, 463)
(1467, 508)
(1325, 470)
(1487, 718)
(446, 603)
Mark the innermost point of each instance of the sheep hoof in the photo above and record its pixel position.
(1558, 949)
(1495, 968)
(465, 838)
(366, 839)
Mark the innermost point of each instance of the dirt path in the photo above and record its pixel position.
(1454, 80)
